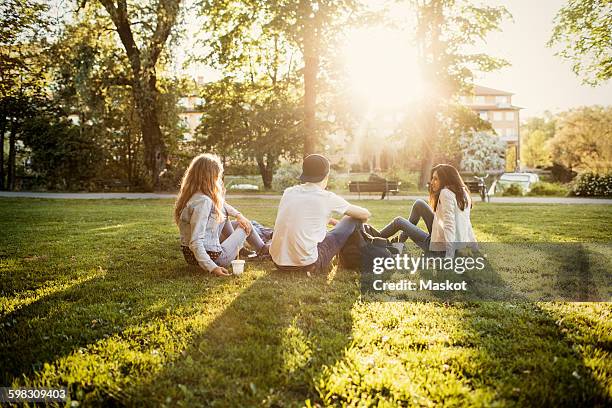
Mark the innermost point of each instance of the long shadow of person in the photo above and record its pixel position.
(78, 317)
(521, 348)
(266, 348)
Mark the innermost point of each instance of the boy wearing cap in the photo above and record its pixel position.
(301, 240)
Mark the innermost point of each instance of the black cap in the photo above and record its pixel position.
(315, 168)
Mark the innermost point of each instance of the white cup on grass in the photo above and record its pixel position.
(237, 266)
(399, 246)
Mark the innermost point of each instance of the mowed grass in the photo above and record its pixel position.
(95, 296)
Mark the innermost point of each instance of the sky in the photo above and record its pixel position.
(540, 80)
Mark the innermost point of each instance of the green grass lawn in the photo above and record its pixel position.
(95, 296)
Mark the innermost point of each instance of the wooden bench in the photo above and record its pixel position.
(111, 185)
(384, 187)
(479, 186)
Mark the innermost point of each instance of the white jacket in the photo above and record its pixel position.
(452, 228)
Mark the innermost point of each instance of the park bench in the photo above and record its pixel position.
(478, 185)
(384, 187)
(111, 185)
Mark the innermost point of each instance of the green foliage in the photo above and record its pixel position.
(543, 188)
(583, 28)
(513, 190)
(583, 139)
(252, 121)
(23, 25)
(62, 154)
(286, 176)
(592, 185)
(536, 134)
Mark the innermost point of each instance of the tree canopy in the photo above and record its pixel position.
(583, 31)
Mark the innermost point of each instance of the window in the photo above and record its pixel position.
(483, 115)
(510, 115)
(501, 99)
(498, 116)
(480, 100)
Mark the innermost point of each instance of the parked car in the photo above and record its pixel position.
(524, 180)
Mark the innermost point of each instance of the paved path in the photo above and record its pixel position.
(93, 196)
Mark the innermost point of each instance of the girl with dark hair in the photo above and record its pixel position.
(446, 216)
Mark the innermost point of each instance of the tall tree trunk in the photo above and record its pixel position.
(2, 130)
(11, 158)
(427, 152)
(430, 50)
(145, 97)
(143, 62)
(266, 169)
(311, 67)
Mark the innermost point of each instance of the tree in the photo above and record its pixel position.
(583, 28)
(22, 28)
(88, 74)
(535, 146)
(482, 152)
(60, 153)
(583, 140)
(444, 28)
(305, 26)
(246, 121)
(151, 25)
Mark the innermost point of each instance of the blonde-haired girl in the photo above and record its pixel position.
(208, 238)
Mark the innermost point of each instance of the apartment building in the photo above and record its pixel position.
(496, 107)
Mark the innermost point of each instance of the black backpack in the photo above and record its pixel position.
(361, 248)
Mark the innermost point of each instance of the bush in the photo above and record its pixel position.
(513, 190)
(543, 188)
(592, 185)
(286, 176)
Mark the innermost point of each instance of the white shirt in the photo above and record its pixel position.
(452, 228)
(301, 223)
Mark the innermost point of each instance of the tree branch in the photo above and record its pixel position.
(118, 15)
(167, 12)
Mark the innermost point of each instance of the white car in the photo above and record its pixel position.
(525, 180)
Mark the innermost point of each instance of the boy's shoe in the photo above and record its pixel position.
(254, 257)
(262, 255)
(371, 230)
(245, 253)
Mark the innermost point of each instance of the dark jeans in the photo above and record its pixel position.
(330, 246)
(408, 227)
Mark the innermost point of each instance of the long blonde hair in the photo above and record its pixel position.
(202, 176)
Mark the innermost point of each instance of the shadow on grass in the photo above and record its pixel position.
(526, 354)
(268, 346)
(121, 303)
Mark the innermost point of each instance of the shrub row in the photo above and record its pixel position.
(592, 185)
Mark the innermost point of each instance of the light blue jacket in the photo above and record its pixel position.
(200, 229)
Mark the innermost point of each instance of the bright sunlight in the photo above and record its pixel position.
(382, 67)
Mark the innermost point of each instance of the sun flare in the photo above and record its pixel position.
(382, 67)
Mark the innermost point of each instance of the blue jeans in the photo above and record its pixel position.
(232, 239)
(335, 240)
(408, 227)
(330, 246)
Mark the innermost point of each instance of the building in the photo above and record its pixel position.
(496, 107)
(190, 114)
